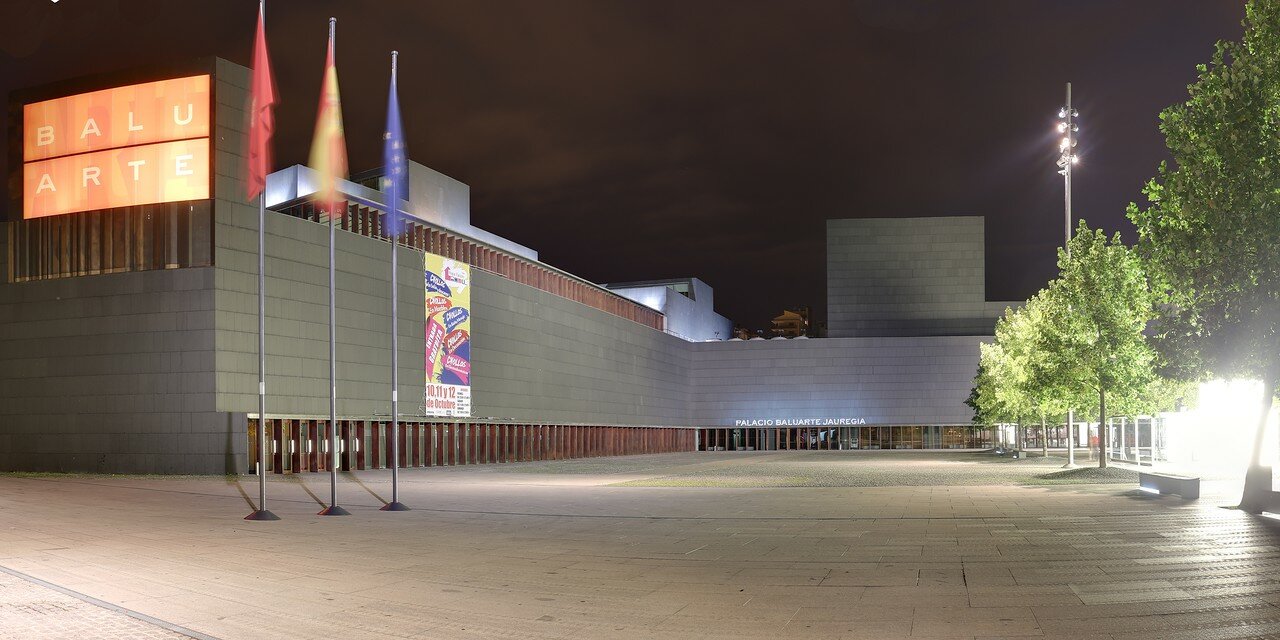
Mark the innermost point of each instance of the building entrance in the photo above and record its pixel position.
(843, 438)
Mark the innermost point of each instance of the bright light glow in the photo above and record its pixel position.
(1064, 143)
(1075, 159)
(1218, 433)
(1062, 126)
(1062, 113)
(1149, 490)
(1268, 514)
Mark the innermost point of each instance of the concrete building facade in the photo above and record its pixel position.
(128, 336)
(908, 277)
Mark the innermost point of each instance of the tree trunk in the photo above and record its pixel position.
(1102, 429)
(1257, 478)
(1044, 437)
(1071, 439)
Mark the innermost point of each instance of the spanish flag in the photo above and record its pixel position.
(328, 148)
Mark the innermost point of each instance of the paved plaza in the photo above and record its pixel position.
(700, 545)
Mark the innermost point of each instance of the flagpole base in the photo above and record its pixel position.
(334, 510)
(262, 514)
(394, 506)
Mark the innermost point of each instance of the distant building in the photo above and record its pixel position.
(908, 277)
(793, 323)
(687, 304)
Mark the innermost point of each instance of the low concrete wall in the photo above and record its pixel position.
(111, 373)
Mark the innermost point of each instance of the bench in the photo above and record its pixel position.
(1167, 483)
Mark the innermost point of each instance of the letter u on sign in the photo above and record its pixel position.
(175, 109)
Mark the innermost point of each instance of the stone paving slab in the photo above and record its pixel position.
(29, 611)
(558, 551)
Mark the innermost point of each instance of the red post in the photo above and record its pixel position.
(295, 444)
(313, 445)
(446, 438)
(402, 432)
(417, 444)
(441, 446)
(277, 456)
(361, 453)
(491, 436)
(502, 443)
(468, 455)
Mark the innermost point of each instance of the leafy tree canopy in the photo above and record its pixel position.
(1212, 227)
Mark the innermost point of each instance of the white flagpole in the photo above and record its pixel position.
(333, 509)
(393, 213)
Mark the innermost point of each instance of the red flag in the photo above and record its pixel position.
(262, 122)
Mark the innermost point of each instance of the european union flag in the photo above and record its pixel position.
(393, 160)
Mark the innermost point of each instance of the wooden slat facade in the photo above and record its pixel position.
(298, 445)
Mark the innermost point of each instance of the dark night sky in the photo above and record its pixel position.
(631, 140)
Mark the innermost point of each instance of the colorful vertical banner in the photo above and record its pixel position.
(448, 337)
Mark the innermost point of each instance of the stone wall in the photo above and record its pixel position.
(907, 276)
(886, 381)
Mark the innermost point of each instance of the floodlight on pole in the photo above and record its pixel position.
(1066, 160)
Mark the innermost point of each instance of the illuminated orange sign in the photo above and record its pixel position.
(174, 109)
(148, 174)
(141, 144)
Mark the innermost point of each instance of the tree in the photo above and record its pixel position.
(1210, 232)
(1096, 311)
(1021, 332)
(1011, 384)
(990, 398)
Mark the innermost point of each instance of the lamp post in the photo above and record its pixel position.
(1066, 160)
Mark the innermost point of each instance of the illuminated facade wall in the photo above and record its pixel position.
(107, 339)
(128, 336)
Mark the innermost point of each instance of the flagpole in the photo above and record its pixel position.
(393, 216)
(333, 509)
(262, 513)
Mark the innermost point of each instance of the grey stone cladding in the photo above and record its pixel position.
(111, 373)
(537, 356)
(907, 277)
(886, 381)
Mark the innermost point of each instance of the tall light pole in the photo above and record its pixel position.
(1066, 160)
